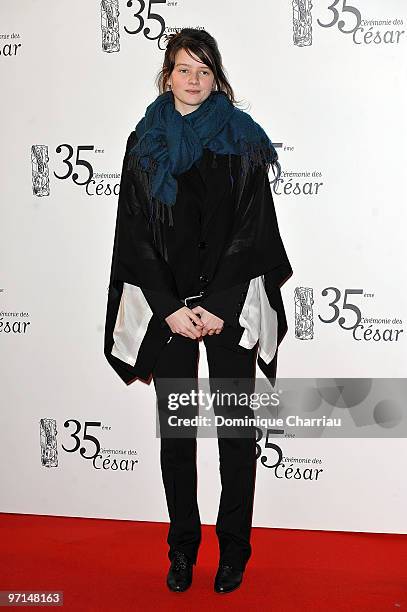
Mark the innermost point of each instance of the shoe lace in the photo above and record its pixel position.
(225, 569)
(180, 561)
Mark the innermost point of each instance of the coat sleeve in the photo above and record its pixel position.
(162, 304)
(135, 258)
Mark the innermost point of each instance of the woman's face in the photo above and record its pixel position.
(191, 82)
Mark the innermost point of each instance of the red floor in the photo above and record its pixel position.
(108, 565)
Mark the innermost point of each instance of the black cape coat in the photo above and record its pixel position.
(224, 234)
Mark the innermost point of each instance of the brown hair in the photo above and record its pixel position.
(205, 47)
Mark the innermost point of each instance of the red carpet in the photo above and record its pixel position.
(109, 565)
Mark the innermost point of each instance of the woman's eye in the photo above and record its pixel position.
(205, 72)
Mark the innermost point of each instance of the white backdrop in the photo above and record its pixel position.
(334, 103)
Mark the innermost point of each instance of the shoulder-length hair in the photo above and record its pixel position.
(205, 47)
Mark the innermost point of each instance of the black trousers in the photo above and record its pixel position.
(237, 455)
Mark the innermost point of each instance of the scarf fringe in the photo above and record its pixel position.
(230, 171)
(158, 210)
(255, 154)
(145, 172)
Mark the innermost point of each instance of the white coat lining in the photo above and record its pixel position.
(259, 320)
(132, 320)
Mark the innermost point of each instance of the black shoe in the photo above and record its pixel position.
(179, 577)
(227, 579)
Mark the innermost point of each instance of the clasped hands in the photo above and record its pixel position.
(182, 322)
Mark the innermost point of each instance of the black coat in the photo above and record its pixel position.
(224, 233)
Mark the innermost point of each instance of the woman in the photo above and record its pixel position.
(198, 257)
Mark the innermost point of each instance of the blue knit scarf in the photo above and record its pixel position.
(169, 143)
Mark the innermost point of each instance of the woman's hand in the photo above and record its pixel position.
(181, 320)
(212, 323)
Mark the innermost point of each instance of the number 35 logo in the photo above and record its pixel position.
(335, 17)
(276, 450)
(78, 162)
(345, 306)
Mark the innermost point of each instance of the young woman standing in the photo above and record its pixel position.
(198, 257)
